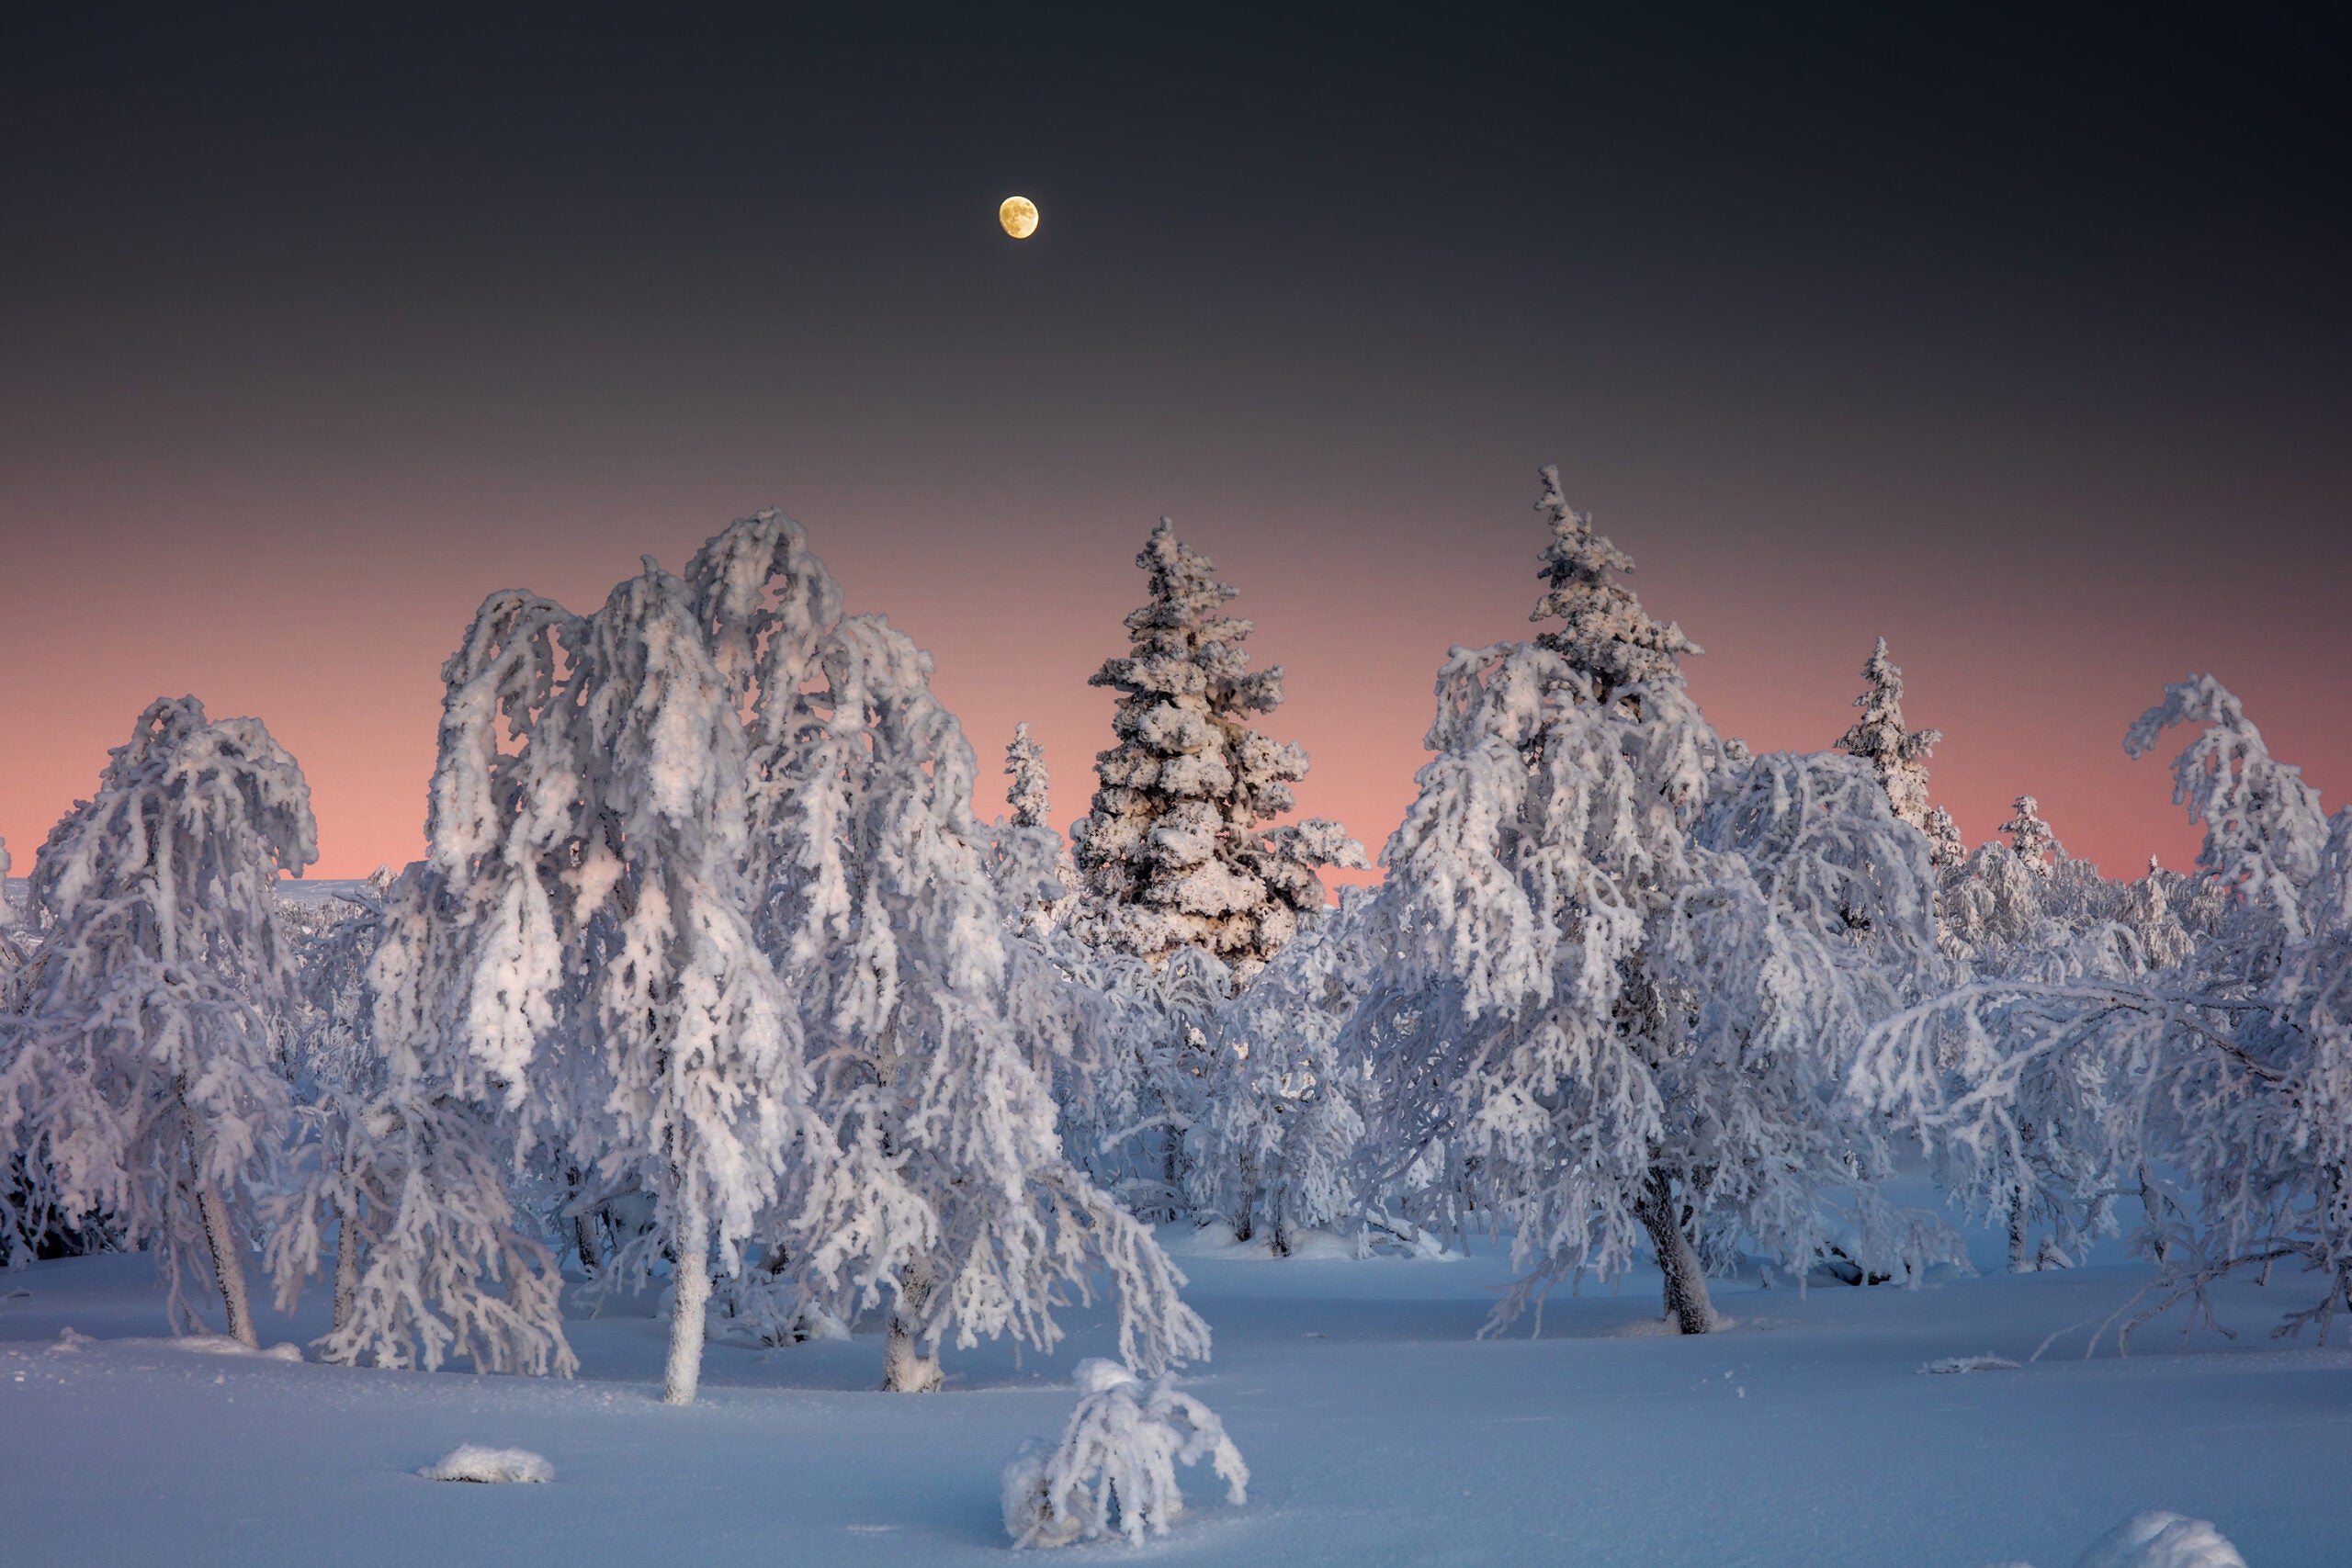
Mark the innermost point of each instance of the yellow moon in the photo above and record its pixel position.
(1019, 216)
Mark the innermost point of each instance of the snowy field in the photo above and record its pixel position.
(1378, 1430)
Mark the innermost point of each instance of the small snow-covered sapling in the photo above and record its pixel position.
(1118, 1454)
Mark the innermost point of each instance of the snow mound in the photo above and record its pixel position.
(2158, 1539)
(468, 1462)
(222, 1345)
(1985, 1363)
(72, 1341)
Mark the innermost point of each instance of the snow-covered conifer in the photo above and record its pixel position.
(1030, 793)
(1034, 869)
(1946, 847)
(1115, 1468)
(139, 1078)
(1899, 756)
(1607, 636)
(12, 952)
(1172, 851)
(2031, 839)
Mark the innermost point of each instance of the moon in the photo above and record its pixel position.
(1019, 216)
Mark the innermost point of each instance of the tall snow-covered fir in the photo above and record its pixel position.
(1172, 851)
(1899, 756)
(1605, 634)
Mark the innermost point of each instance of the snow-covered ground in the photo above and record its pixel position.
(1376, 1428)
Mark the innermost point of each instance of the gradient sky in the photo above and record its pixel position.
(2021, 342)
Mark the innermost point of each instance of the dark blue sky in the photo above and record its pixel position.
(2020, 340)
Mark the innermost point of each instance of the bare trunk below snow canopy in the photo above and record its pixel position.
(228, 1266)
(905, 1367)
(346, 1271)
(1686, 1281)
(684, 1372)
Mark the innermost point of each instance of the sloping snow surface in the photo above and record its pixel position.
(1379, 1431)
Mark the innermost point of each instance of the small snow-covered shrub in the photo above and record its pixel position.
(1119, 1451)
(469, 1462)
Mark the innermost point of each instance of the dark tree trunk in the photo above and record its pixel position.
(1686, 1281)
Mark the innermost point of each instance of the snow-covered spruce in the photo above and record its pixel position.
(139, 1080)
(1030, 863)
(1633, 968)
(1604, 635)
(1172, 851)
(1897, 755)
(2231, 1070)
(1114, 1470)
(945, 1188)
(2031, 839)
(588, 938)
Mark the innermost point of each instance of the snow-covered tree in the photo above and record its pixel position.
(1638, 965)
(2230, 1069)
(432, 1260)
(139, 1081)
(2027, 912)
(1172, 851)
(1147, 1074)
(1946, 847)
(948, 1190)
(2031, 839)
(1605, 634)
(1278, 1147)
(1115, 1468)
(590, 831)
(1030, 793)
(1897, 755)
(1034, 872)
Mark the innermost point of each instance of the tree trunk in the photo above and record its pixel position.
(584, 1234)
(1686, 1281)
(2019, 1263)
(346, 1271)
(228, 1266)
(905, 1368)
(2150, 1205)
(684, 1372)
(584, 1228)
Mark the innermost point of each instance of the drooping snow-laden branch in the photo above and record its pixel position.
(139, 1079)
(2228, 1064)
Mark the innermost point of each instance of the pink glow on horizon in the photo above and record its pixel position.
(334, 635)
